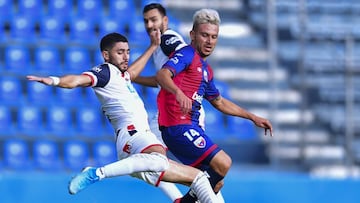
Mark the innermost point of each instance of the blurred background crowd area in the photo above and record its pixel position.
(293, 62)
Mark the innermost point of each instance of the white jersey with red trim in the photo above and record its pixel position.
(119, 99)
(171, 41)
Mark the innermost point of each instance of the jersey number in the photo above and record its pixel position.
(191, 133)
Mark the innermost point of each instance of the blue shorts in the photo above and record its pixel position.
(190, 145)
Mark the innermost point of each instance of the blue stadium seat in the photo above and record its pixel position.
(6, 10)
(3, 33)
(122, 9)
(98, 58)
(31, 8)
(90, 98)
(59, 121)
(30, 120)
(90, 9)
(76, 155)
(146, 2)
(137, 31)
(82, 31)
(46, 155)
(62, 9)
(109, 25)
(39, 94)
(104, 152)
(17, 59)
(16, 155)
(7, 127)
(69, 97)
(89, 121)
(77, 60)
(11, 90)
(47, 60)
(108, 129)
(52, 29)
(240, 128)
(22, 29)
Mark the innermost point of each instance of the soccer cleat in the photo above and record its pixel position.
(82, 180)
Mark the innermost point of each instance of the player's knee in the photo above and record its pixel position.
(161, 162)
(153, 178)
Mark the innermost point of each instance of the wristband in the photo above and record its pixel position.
(56, 80)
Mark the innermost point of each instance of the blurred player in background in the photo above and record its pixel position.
(140, 153)
(185, 80)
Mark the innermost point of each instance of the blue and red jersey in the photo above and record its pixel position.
(194, 77)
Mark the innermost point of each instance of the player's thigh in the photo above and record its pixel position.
(140, 142)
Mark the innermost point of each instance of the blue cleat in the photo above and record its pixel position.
(82, 180)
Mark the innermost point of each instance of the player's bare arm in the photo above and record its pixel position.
(67, 81)
(139, 64)
(230, 108)
(149, 81)
(164, 78)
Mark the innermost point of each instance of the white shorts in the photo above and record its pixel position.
(127, 144)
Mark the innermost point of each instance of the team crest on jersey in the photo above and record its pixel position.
(206, 76)
(127, 148)
(97, 69)
(200, 142)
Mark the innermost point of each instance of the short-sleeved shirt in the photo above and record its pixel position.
(194, 77)
(182, 133)
(119, 99)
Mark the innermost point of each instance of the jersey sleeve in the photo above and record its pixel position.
(180, 60)
(100, 75)
(171, 42)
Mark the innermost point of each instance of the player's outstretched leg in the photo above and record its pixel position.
(82, 180)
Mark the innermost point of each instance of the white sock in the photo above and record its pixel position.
(203, 190)
(170, 190)
(220, 197)
(154, 162)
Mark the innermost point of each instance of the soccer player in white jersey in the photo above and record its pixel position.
(155, 17)
(140, 153)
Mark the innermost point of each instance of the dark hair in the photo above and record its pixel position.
(157, 6)
(108, 41)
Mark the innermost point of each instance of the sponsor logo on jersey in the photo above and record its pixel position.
(172, 40)
(200, 142)
(197, 97)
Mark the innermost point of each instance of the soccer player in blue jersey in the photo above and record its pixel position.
(140, 153)
(186, 79)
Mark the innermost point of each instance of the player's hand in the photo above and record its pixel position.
(44, 80)
(263, 123)
(155, 37)
(184, 101)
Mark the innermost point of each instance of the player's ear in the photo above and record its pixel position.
(165, 20)
(192, 35)
(105, 55)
